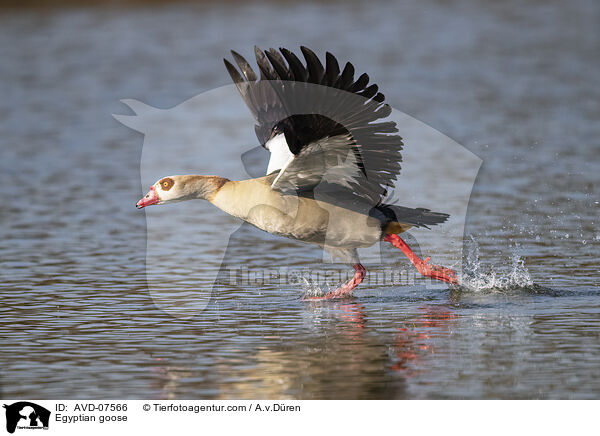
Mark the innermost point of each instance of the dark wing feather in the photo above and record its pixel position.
(369, 92)
(332, 69)
(360, 83)
(314, 66)
(298, 71)
(245, 67)
(266, 71)
(345, 79)
(279, 65)
(233, 72)
(331, 122)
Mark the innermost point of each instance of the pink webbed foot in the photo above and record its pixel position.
(437, 272)
(344, 291)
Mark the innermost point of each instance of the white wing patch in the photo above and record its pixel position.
(281, 156)
(331, 160)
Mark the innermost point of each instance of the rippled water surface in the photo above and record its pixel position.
(515, 84)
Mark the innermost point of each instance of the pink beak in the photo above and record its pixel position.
(150, 198)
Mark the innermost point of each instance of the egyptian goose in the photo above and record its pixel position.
(331, 162)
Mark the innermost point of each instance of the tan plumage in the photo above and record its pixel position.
(296, 217)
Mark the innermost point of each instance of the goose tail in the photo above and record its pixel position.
(402, 218)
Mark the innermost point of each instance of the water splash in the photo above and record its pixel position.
(476, 278)
(311, 288)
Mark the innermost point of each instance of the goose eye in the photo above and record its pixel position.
(166, 184)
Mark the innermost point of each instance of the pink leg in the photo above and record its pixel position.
(345, 291)
(434, 271)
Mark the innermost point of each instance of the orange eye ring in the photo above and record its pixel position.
(166, 184)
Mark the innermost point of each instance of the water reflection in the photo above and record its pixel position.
(341, 358)
(414, 339)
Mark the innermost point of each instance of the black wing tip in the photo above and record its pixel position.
(233, 72)
(230, 67)
(227, 63)
(270, 61)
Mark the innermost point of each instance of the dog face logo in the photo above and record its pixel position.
(24, 414)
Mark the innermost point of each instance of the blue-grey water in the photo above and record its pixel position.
(516, 83)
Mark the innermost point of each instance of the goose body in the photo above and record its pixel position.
(296, 217)
(331, 162)
(338, 230)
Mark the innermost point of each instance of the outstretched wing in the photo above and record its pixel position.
(322, 127)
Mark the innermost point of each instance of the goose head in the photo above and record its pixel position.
(172, 189)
